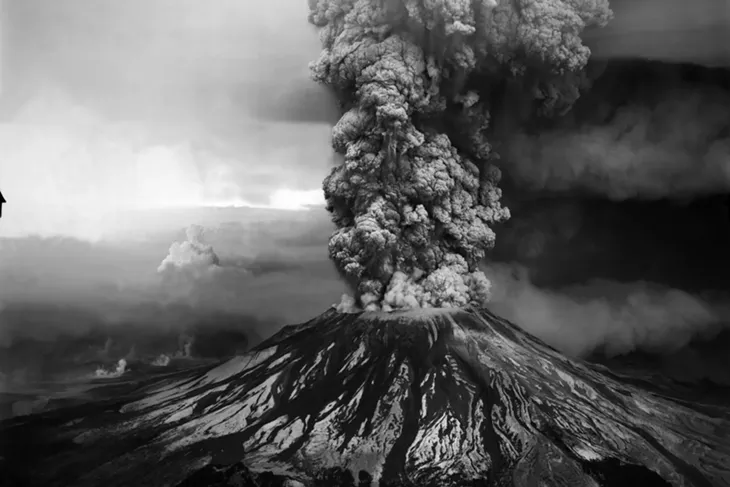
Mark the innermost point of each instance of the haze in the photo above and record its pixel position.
(110, 106)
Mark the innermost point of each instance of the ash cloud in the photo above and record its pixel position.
(620, 217)
(607, 317)
(416, 194)
(436, 97)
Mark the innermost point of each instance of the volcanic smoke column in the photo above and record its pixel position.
(416, 193)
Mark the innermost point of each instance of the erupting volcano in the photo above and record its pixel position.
(429, 397)
(410, 379)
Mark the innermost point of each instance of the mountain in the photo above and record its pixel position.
(423, 398)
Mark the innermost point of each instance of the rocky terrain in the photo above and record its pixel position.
(428, 397)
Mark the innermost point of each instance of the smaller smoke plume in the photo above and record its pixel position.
(666, 139)
(162, 360)
(118, 371)
(185, 345)
(187, 264)
(193, 253)
(347, 304)
(606, 316)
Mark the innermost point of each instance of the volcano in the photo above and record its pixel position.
(441, 397)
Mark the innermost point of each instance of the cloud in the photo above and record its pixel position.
(109, 108)
(118, 371)
(272, 280)
(606, 316)
(191, 256)
(70, 306)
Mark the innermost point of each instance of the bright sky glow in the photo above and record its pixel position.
(119, 109)
(287, 199)
(64, 172)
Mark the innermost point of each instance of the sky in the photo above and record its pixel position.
(113, 106)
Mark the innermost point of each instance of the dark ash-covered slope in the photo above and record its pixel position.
(427, 397)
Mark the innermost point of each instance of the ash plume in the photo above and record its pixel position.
(192, 253)
(605, 316)
(118, 371)
(162, 360)
(416, 193)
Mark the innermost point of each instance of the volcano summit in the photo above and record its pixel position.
(426, 397)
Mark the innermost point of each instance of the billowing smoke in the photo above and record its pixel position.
(118, 371)
(187, 264)
(192, 253)
(186, 343)
(416, 194)
(606, 316)
(162, 360)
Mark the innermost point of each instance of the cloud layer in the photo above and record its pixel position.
(108, 108)
(66, 302)
(609, 317)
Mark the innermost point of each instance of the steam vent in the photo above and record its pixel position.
(421, 398)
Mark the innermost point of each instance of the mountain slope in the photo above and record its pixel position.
(433, 397)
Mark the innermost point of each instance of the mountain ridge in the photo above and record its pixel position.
(426, 397)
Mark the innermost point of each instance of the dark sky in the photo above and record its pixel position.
(695, 31)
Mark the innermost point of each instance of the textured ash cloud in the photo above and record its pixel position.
(607, 317)
(416, 194)
(109, 106)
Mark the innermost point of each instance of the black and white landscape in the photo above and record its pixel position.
(427, 397)
(502, 226)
